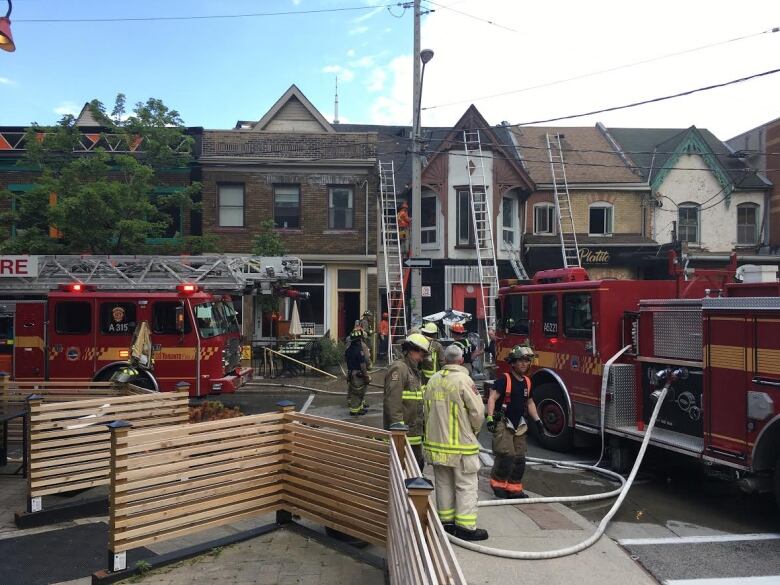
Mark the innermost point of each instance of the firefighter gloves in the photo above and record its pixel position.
(491, 424)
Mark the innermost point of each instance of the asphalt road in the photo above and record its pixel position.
(683, 523)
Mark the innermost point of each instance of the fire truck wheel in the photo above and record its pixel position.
(776, 483)
(551, 405)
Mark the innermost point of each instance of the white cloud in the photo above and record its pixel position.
(345, 75)
(366, 61)
(369, 14)
(329, 117)
(7, 81)
(68, 107)
(296, 2)
(499, 60)
(376, 80)
(350, 52)
(358, 30)
(395, 108)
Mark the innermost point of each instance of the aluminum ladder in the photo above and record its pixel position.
(516, 261)
(482, 220)
(568, 235)
(391, 249)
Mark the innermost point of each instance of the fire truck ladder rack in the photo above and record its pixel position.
(214, 273)
(566, 231)
(483, 225)
(394, 270)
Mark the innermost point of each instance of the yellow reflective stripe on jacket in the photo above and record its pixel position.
(414, 440)
(429, 373)
(451, 449)
(412, 395)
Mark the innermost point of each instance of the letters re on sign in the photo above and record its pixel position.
(18, 266)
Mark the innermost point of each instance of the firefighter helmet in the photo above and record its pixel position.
(429, 328)
(458, 328)
(418, 341)
(520, 352)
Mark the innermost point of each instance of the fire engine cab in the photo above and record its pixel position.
(603, 346)
(73, 317)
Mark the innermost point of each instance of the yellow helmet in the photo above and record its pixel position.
(521, 352)
(430, 328)
(418, 341)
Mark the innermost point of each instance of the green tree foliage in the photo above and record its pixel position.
(104, 199)
(267, 242)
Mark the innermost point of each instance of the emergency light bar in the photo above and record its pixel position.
(76, 287)
(187, 289)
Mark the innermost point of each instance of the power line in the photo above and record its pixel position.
(654, 100)
(209, 16)
(471, 16)
(607, 70)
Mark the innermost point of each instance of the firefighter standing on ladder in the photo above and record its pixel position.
(434, 361)
(403, 401)
(512, 394)
(453, 417)
(404, 221)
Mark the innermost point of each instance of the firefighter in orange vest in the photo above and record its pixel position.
(509, 404)
(404, 221)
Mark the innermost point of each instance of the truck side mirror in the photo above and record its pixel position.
(180, 319)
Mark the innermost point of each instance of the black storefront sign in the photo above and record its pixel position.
(549, 257)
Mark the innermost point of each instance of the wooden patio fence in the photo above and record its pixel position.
(171, 482)
(70, 445)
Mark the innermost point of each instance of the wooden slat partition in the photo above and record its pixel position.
(69, 443)
(337, 475)
(175, 481)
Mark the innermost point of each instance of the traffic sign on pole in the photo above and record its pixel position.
(417, 262)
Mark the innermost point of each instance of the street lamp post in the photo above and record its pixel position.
(420, 57)
(6, 38)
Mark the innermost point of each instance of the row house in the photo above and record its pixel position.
(704, 197)
(318, 186)
(446, 224)
(609, 203)
(760, 149)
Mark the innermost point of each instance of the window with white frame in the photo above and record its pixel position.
(429, 219)
(688, 223)
(465, 223)
(509, 220)
(544, 219)
(340, 208)
(231, 204)
(600, 219)
(747, 224)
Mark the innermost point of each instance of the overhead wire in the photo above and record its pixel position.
(601, 71)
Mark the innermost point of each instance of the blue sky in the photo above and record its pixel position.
(218, 71)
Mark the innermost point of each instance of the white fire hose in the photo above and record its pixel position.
(621, 492)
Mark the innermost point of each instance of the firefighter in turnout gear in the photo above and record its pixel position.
(434, 361)
(357, 374)
(508, 406)
(403, 400)
(462, 341)
(453, 417)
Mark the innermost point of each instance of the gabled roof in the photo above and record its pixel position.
(656, 150)
(292, 112)
(85, 118)
(587, 154)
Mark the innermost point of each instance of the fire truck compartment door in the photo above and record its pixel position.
(30, 341)
(72, 347)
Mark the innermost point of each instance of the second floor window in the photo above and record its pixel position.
(465, 222)
(600, 219)
(287, 207)
(429, 213)
(747, 224)
(231, 205)
(688, 223)
(509, 220)
(340, 207)
(544, 216)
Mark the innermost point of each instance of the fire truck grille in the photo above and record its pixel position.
(677, 334)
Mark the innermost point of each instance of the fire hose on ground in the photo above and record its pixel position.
(621, 492)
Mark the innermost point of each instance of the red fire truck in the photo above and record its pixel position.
(607, 343)
(73, 317)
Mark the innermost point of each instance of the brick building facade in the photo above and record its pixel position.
(319, 188)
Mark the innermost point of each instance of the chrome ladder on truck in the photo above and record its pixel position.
(391, 249)
(568, 236)
(482, 219)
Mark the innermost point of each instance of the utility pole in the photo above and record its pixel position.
(416, 304)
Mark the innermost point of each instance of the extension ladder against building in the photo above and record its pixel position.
(482, 221)
(568, 235)
(516, 261)
(391, 248)
(126, 273)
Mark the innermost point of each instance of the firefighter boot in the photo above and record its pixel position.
(449, 528)
(466, 534)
